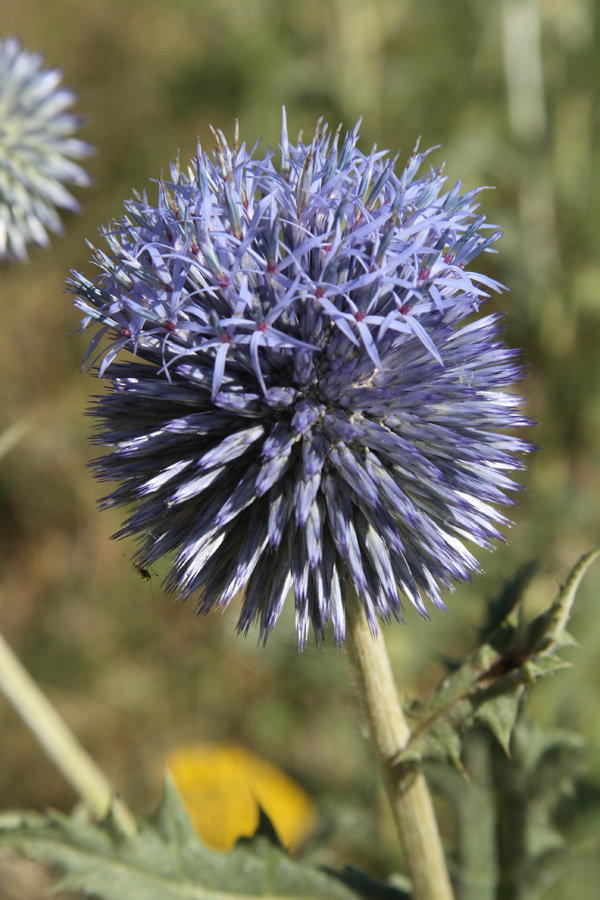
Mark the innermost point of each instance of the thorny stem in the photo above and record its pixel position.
(405, 785)
(58, 742)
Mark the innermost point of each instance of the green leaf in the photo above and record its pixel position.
(474, 859)
(488, 688)
(548, 632)
(532, 849)
(165, 860)
(511, 839)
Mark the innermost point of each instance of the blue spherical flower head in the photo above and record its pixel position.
(37, 151)
(310, 402)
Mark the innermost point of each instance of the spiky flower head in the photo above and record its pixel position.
(37, 150)
(306, 407)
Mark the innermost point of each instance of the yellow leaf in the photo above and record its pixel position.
(222, 787)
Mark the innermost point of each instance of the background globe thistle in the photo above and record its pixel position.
(306, 404)
(36, 150)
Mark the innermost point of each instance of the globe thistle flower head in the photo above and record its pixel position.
(311, 403)
(37, 151)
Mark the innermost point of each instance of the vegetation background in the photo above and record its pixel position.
(510, 91)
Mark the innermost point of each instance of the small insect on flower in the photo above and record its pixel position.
(312, 400)
(145, 574)
(37, 151)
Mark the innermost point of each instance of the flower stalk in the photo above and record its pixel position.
(405, 786)
(59, 743)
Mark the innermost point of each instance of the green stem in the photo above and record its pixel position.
(59, 743)
(405, 785)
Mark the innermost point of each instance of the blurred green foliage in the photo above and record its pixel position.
(510, 91)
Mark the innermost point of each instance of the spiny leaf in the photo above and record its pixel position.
(166, 861)
(532, 849)
(511, 839)
(548, 631)
(489, 686)
(474, 858)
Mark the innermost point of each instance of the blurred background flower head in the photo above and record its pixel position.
(37, 150)
(306, 405)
